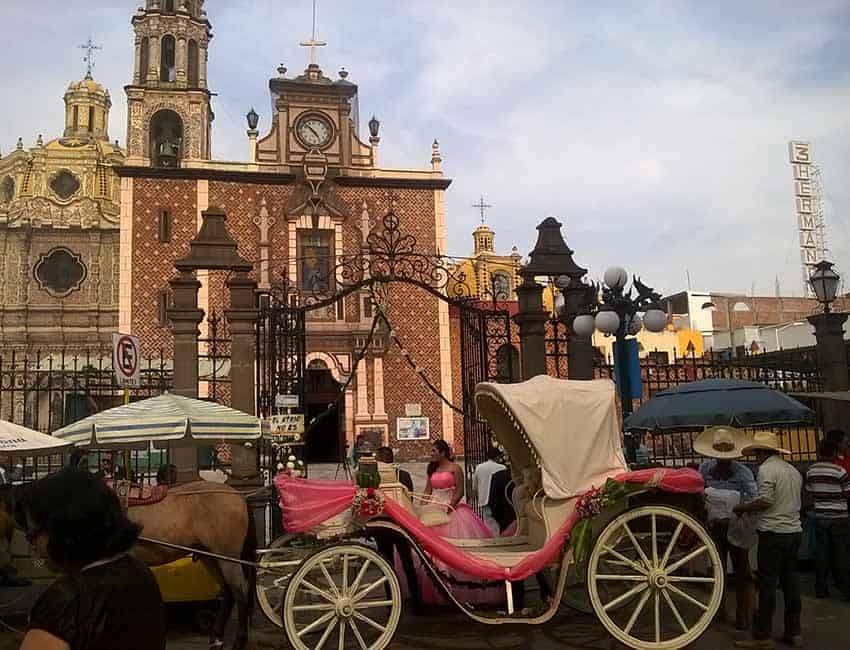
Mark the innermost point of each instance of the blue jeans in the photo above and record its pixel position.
(832, 537)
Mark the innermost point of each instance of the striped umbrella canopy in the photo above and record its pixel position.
(16, 440)
(159, 420)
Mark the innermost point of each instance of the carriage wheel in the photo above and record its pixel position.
(344, 596)
(655, 578)
(274, 570)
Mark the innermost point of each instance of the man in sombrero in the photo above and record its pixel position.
(722, 446)
(780, 534)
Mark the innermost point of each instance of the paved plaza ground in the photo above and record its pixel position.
(825, 622)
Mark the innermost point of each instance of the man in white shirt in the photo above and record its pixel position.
(780, 534)
(481, 484)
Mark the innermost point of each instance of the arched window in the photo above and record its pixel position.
(167, 68)
(193, 64)
(76, 116)
(166, 139)
(507, 363)
(91, 119)
(144, 60)
(168, 6)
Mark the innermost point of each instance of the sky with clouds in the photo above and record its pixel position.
(656, 131)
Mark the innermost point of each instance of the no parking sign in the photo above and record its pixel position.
(126, 360)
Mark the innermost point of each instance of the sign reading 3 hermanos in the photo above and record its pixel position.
(801, 161)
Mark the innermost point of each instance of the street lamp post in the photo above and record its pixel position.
(621, 313)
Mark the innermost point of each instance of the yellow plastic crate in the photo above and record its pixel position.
(186, 580)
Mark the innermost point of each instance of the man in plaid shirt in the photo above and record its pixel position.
(828, 485)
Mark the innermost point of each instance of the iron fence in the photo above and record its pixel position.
(787, 371)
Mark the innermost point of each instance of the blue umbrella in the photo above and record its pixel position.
(710, 402)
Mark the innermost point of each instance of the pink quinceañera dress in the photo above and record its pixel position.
(463, 524)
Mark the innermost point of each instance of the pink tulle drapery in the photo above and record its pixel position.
(307, 503)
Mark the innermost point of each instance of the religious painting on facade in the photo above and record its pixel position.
(315, 263)
(501, 286)
(413, 428)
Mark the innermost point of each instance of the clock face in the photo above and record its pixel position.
(314, 131)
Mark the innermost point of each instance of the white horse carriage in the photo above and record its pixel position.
(652, 574)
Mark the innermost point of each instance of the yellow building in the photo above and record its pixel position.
(59, 225)
(486, 275)
(668, 344)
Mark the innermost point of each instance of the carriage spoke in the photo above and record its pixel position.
(688, 597)
(690, 579)
(690, 556)
(341, 645)
(624, 597)
(317, 623)
(318, 607)
(672, 544)
(637, 546)
(623, 578)
(326, 635)
(369, 604)
(345, 574)
(359, 577)
(357, 634)
(638, 609)
(654, 544)
(370, 588)
(675, 610)
(329, 580)
(657, 598)
(369, 621)
(637, 567)
(319, 592)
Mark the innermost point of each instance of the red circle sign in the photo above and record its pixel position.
(126, 356)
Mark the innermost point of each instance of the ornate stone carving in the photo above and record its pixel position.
(41, 213)
(60, 272)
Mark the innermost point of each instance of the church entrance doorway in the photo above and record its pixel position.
(325, 440)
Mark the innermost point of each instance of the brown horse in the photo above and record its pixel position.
(206, 516)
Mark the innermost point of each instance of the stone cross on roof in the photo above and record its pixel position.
(313, 43)
(89, 57)
(482, 206)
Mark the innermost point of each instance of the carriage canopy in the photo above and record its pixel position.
(570, 427)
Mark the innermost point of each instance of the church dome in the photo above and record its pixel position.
(87, 105)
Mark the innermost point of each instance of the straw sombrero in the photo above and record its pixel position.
(721, 442)
(764, 440)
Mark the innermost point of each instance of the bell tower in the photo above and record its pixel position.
(169, 116)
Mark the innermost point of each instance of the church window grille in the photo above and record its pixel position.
(7, 190)
(162, 299)
(164, 225)
(144, 60)
(103, 180)
(60, 272)
(315, 263)
(367, 307)
(167, 68)
(64, 184)
(193, 64)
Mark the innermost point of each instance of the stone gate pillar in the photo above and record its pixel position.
(185, 317)
(242, 320)
(832, 364)
(531, 319)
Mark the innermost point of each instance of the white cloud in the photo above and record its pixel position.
(656, 131)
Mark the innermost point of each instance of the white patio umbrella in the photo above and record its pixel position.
(160, 420)
(16, 440)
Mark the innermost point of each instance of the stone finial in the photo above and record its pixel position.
(281, 70)
(436, 157)
(20, 144)
(343, 73)
(40, 140)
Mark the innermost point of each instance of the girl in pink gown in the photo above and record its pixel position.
(445, 486)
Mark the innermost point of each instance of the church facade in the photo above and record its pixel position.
(310, 194)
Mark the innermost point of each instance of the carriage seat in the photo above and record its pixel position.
(144, 495)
